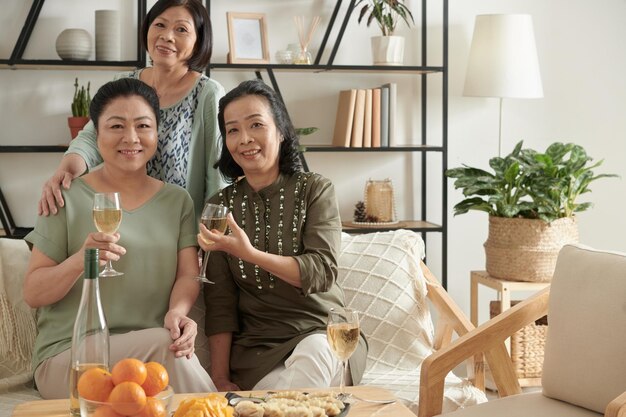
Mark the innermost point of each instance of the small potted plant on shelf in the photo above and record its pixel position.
(80, 108)
(531, 199)
(387, 49)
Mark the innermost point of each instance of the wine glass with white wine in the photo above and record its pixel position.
(342, 331)
(107, 215)
(214, 218)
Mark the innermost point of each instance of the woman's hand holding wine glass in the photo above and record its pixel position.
(213, 218)
(107, 216)
(342, 331)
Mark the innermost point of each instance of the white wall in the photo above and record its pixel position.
(582, 58)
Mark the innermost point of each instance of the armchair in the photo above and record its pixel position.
(584, 371)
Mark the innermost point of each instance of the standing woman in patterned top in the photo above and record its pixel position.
(275, 273)
(178, 37)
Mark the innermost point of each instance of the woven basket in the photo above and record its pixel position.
(526, 249)
(527, 345)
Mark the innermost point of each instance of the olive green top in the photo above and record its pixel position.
(152, 235)
(296, 216)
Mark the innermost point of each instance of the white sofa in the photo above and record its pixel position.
(381, 276)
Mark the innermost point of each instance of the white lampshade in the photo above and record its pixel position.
(503, 58)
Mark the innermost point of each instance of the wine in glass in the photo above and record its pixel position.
(107, 215)
(214, 218)
(342, 331)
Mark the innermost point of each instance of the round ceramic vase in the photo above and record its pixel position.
(74, 44)
(108, 40)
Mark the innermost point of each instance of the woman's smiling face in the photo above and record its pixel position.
(252, 137)
(127, 133)
(172, 37)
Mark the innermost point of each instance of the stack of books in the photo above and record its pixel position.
(366, 117)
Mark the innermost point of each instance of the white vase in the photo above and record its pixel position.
(388, 50)
(107, 35)
(74, 44)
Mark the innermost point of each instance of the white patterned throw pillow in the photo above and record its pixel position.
(382, 279)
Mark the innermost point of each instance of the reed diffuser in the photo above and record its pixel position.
(304, 56)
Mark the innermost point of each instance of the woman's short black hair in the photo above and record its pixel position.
(203, 49)
(288, 157)
(124, 87)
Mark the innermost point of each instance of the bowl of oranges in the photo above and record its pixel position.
(132, 388)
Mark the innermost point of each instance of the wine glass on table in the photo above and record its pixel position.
(342, 331)
(107, 215)
(214, 218)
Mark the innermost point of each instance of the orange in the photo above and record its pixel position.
(129, 370)
(105, 411)
(95, 384)
(127, 398)
(153, 408)
(156, 380)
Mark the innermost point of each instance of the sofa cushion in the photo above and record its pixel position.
(524, 405)
(18, 328)
(585, 354)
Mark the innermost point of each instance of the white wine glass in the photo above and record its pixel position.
(214, 218)
(342, 331)
(107, 215)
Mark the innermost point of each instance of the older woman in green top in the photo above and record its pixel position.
(275, 272)
(177, 35)
(155, 247)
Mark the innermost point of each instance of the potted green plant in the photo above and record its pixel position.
(80, 108)
(531, 199)
(387, 49)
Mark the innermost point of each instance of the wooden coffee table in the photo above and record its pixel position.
(60, 408)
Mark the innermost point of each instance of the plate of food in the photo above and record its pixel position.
(289, 403)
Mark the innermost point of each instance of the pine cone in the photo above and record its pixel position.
(359, 212)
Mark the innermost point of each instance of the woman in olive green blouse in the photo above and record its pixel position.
(275, 272)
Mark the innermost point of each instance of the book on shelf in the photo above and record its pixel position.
(376, 118)
(367, 120)
(342, 134)
(384, 116)
(358, 121)
(391, 120)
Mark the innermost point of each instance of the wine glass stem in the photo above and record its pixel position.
(342, 384)
(109, 265)
(204, 264)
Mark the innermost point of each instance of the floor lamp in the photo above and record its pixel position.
(503, 60)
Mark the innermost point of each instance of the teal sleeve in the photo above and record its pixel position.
(85, 146)
(213, 179)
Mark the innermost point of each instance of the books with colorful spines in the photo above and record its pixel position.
(376, 118)
(359, 117)
(384, 116)
(344, 119)
(367, 120)
(393, 88)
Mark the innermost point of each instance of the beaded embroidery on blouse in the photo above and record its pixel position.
(299, 217)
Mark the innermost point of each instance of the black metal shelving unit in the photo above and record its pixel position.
(16, 60)
(422, 225)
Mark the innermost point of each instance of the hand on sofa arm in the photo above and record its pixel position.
(488, 338)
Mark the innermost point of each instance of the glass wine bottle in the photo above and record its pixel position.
(90, 340)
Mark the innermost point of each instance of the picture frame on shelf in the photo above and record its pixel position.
(247, 38)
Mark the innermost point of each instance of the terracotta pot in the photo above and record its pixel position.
(388, 50)
(76, 124)
(526, 249)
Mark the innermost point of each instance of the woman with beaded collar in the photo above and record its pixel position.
(275, 272)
